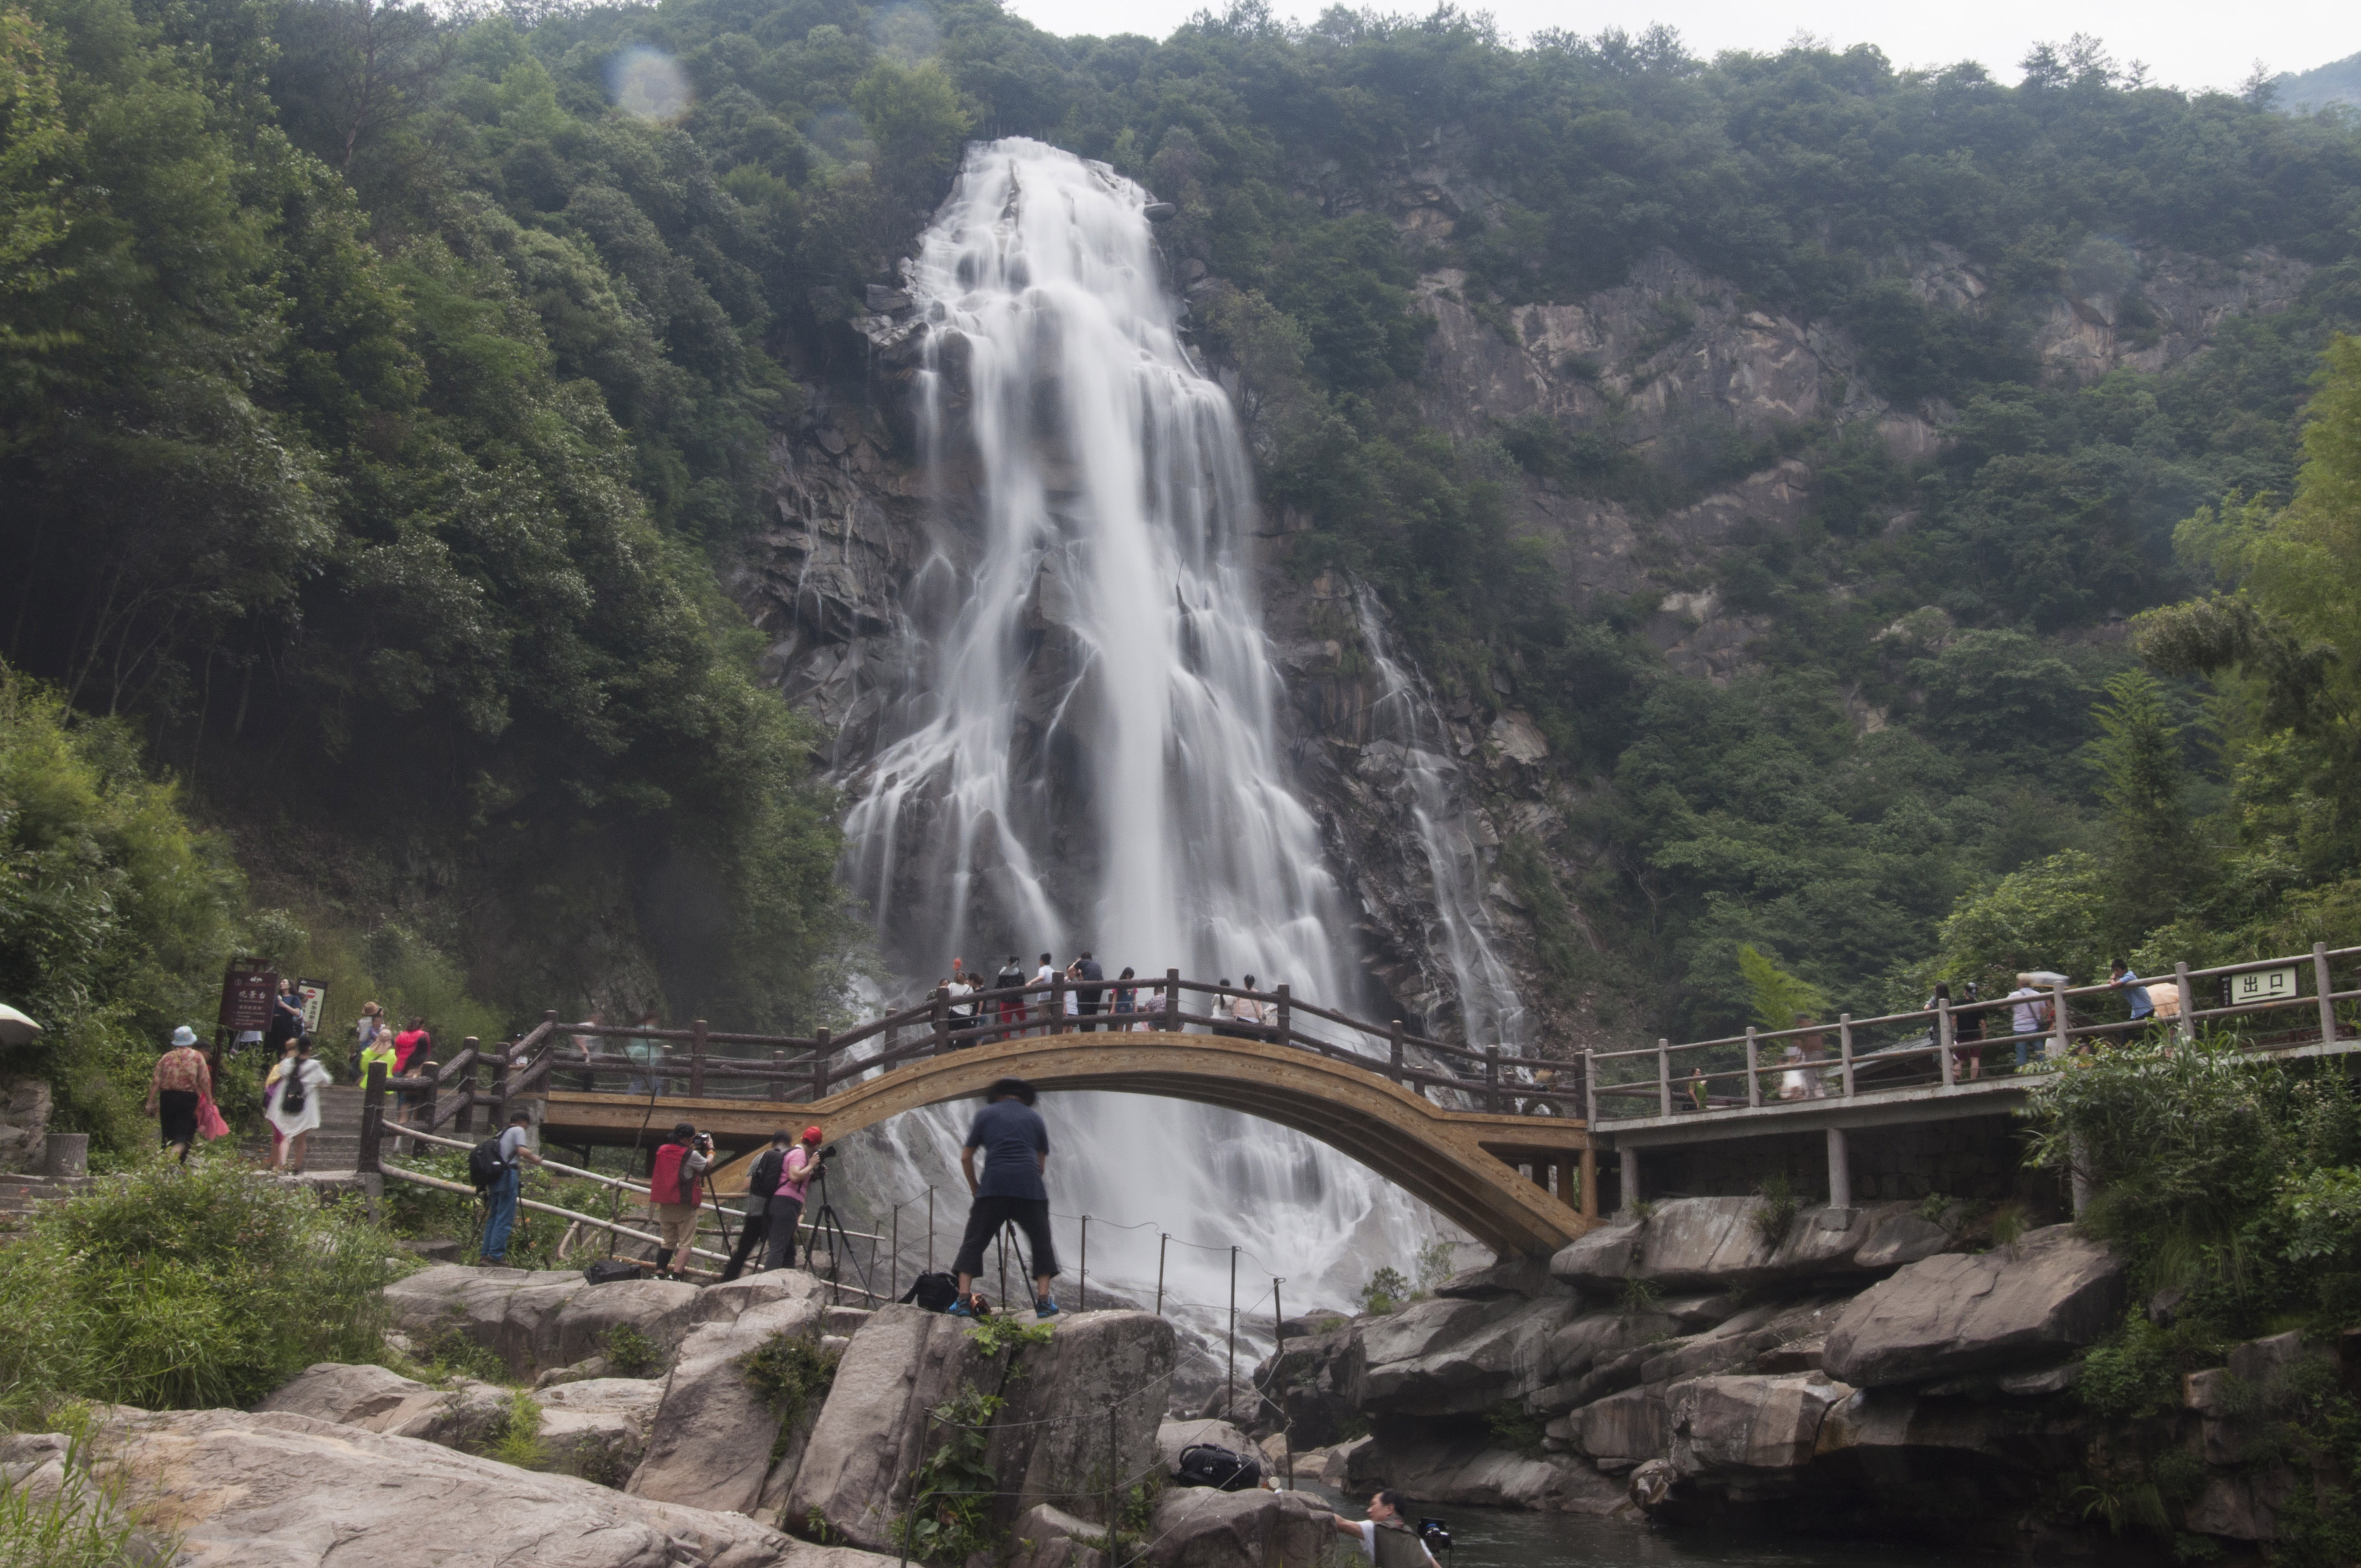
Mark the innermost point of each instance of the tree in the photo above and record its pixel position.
(919, 122)
(1779, 998)
(2152, 856)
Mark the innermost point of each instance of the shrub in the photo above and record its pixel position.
(187, 1287)
(78, 1526)
(628, 1353)
(1775, 1212)
(515, 1436)
(1386, 1290)
(793, 1373)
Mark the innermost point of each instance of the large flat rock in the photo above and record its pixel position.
(2036, 1301)
(536, 1320)
(273, 1489)
(1457, 1356)
(710, 1446)
(1736, 1425)
(1716, 1243)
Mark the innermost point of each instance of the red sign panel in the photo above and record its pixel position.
(246, 999)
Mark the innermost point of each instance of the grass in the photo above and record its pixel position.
(78, 1526)
(791, 1372)
(515, 1437)
(187, 1288)
(1775, 1212)
(628, 1353)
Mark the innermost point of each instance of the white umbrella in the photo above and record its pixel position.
(16, 1029)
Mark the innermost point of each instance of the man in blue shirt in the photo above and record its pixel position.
(1016, 1145)
(2121, 977)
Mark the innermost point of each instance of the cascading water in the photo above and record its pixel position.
(1490, 1011)
(1086, 755)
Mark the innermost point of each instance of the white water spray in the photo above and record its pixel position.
(1087, 754)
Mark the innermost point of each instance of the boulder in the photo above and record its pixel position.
(1517, 1277)
(279, 1490)
(870, 1431)
(1309, 1387)
(724, 1302)
(1714, 1244)
(709, 1445)
(1195, 1526)
(587, 1369)
(331, 1391)
(598, 1428)
(537, 1320)
(1468, 1356)
(1721, 1425)
(659, 1309)
(1629, 1426)
(2036, 1301)
(1460, 1468)
(1045, 1537)
(1171, 1437)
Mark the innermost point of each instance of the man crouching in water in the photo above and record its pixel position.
(1384, 1539)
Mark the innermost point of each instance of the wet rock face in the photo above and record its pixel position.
(1717, 1243)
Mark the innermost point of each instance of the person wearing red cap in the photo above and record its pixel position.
(785, 1211)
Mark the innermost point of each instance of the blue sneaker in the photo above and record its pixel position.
(1044, 1307)
(959, 1308)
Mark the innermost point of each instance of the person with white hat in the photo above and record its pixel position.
(181, 1079)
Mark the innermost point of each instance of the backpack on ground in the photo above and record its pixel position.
(607, 1271)
(1204, 1464)
(485, 1164)
(935, 1292)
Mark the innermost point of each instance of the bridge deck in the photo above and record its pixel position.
(1465, 1164)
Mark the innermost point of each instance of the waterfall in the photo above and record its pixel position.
(1085, 754)
(1405, 717)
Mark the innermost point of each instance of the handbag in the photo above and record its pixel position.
(209, 1123)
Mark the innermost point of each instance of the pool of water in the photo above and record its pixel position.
(1516, 1538)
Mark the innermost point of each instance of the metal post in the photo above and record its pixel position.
(1492, 1077)
(1840, 1171)
(372, 1119)
(1161, 1239)
(1173, 1001)
(1286, 1017)
(1844, 1050)
(1394, 1054)
(1082, 1286)
(1277, 1359)
(1943, 1037)
(1663, 1077)
(1630, 1172)
(820, 1064)
(1230, 1389)
(2188, 1029)
(2325, 988)
(1589, 1183)
(697, 1059)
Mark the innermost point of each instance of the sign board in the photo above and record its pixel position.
(315, 997)
(2262, 985)
(246, 999)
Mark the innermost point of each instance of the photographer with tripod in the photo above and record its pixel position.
(680, 1164)
(1016, 1152)
(786, 1205)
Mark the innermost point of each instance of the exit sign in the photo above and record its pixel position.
(2262, 985)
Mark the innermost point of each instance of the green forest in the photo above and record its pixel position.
(384, 392)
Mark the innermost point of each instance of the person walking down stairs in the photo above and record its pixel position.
(292, 1105)
(182, 1081)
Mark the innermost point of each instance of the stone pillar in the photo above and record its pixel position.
(1840, 1171)
(1631, 1158)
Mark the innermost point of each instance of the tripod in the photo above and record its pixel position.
(824, 1221)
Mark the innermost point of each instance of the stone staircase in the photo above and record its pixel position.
(21, 1196)
(336, 1141)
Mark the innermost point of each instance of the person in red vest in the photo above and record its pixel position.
(680, 1164)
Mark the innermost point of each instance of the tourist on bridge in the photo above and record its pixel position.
(646, 1054)
(1126, 1001)
(371, 1027)
(180, 1082)
(2135, 990)
(1045, 977)
(501, 1195)
(1087, 971)
(1011, 1008)
(2028, 1018)
(1016, 1145)
(785, 1208)
(958, 1001)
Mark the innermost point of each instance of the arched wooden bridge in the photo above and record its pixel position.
(1486, 1167)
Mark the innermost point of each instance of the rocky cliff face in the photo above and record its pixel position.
(1675, 365)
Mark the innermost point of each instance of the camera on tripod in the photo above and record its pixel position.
(1434, 1534)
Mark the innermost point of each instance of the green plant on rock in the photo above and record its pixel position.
(83, 1524)
(950, 1515)
(1775, 1212)
(1386, 1290)
(1435, 1261)
(1514, 1427)
(1638, 1296)
(791, 1372)
(628, 1352)
(994, 1335)
(514, 1436)
(449, 1352)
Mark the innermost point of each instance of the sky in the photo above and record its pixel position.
(2184, 43)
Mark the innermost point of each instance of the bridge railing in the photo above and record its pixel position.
(718, 1064)
(2293, 999)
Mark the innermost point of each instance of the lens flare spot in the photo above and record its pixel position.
(648, 84)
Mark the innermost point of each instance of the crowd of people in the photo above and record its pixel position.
(1091, 1002)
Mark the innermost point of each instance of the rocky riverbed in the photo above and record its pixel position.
(1844, 1371)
